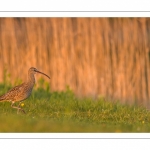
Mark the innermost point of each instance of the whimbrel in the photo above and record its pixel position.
(21, 92)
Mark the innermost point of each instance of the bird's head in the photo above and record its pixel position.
(33, 70)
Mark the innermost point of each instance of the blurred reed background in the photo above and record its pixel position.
(108, 57)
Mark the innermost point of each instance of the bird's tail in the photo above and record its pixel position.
(2, 98)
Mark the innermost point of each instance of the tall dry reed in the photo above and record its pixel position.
(107, 57)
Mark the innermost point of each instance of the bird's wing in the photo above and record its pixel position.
(12, 93)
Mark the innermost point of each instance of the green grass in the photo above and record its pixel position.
(63, 112)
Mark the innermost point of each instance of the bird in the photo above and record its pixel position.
(23, 91)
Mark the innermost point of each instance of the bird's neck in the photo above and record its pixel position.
(31, 79)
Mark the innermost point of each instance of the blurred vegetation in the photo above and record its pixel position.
(94, 56)
(85, 57)
(48, 111)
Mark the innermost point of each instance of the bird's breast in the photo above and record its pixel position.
(25, 93)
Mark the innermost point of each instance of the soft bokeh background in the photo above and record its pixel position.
(105, 57)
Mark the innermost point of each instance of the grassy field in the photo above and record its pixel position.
(63, 112)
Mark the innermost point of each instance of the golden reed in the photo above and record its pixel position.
(94, 56)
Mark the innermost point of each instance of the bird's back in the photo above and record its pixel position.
(18, 93)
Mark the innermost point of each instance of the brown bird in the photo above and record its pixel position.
(21, 92)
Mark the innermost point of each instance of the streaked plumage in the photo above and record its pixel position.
(23, 91)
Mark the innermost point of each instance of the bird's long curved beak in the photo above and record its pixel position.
(43, 73)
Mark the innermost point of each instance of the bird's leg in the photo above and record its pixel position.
(18, 108)
(13, 106)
